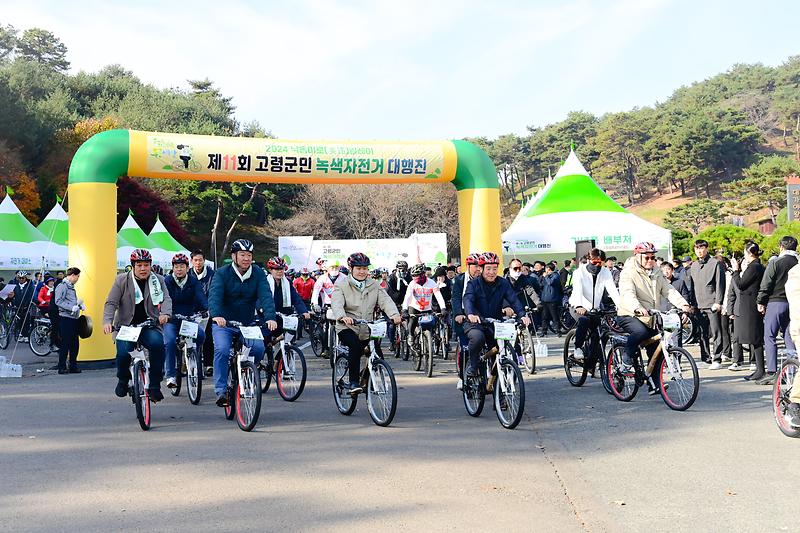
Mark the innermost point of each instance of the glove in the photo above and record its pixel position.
(75, 308)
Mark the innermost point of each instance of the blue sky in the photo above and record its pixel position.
(414, 69)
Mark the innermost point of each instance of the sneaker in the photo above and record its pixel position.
(65, 371)
(793, 415)
(155, 395)
(768, 379)
(74, 369)
(715, 366)
(752, 367)
(222, 400)
(172, 383)
(23, 339)
(355, 388)
(209, 371)
(121, 390)
(460, 384)
(578, 355)
(735, 367)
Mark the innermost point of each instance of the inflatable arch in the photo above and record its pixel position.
(102, 159)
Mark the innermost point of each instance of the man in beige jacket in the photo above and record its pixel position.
(793, 296)
(356, 298)
(642, 288)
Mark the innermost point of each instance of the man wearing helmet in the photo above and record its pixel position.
(642, 287)
(285, 296)
(485, 297)
(135, 297)
(323, 289)
(396, 286)
(356, 298)
(459, 288)
(22, 298)
(419, 298)
(188, 298)
(237, 291)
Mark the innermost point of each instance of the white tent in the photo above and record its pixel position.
(22, 246)
(573, 207)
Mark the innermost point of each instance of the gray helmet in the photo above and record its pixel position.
(241, 245)
(417, 270)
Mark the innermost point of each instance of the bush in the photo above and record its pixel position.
(681, 242)
(726, 238)
(771, 244)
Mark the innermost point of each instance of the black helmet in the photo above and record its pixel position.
(358, 259)
(241, 245)
(418, 270)
(401, 264)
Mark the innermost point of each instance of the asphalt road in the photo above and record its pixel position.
(72, 458)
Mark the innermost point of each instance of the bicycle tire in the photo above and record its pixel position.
(623, 386)
(178, 375)
(5, 334)
(249, 408)
(39, 340)
(331, 344)
(566, 320)
(291, 389)
(780, 396)
(233, 383)
(194, 380)
(387, 391)
(416, 354)
(141, 396)
(445, 342)
(316, 334)
(265, 371)
(345, 402)
(427, 340)
(473, 392)
(678, 401)
(526, 349)
(571, 365)
(602, 363)
(511, 370)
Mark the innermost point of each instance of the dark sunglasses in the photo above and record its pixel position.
(650, 257)
(517, 269)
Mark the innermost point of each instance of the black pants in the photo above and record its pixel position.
(551, 311)
(478, 336)
(355, 349)
(582, 324)
(208, 346)
(727, 337)
(637, 332)
(710, 338)
(737, 355)
(69, 342)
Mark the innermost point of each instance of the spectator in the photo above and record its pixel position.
(732, 309)
(551, 297)
(748, 323)
(527, 268)
(613, 267)
(677, 267)
(706, 278)
(678, 283)
(522, 285)
(69, 309)
(725, 320)
(565, 274)
(773, 304)
(45, 295)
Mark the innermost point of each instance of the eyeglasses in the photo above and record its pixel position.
(649, 258)
(517, 269)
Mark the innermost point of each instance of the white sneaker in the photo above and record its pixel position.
(715, 366)
(578, 355)
(172, 383)
(753, 367)
(734, 367)
(460, 384)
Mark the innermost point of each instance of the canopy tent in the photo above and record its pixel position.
(165, 242)
(134, 237)
(23, 246)
(55, 225)
(572, 207)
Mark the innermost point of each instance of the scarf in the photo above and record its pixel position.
(399, 280)
(156, 294)
(202, 274)
(358, 285)
(244, 277)
(287, 296)
(180, 282)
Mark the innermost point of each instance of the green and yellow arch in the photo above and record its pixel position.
(101, 160)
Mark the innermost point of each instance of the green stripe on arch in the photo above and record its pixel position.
(101, 159)
(475, 170)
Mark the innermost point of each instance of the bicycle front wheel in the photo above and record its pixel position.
(331, 344)
(180, 363)
(427, 343)
(141, 396)
(316, 335)
(291, 378)
(194, 382)
(603, 364)
(474, 392)
(381, 393)
(248, 397)
(526, 349)
(623, 384)
(509, 394)
(576, 371)
(345, 402)
(5, 334)
(780, 397)
(39, 340)
(233, 387)
(680, 385)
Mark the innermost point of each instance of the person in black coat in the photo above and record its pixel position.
(749, 325)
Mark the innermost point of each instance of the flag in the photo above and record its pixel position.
(9, 190)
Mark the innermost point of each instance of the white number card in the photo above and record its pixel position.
(504, 331)
(290, 322)
(377, 330)
(188, 329)
(128, 333)
(252, 333)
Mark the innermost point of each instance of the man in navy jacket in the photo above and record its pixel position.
(484, 298)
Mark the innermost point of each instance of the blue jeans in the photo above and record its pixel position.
(151, 339)
(223, 340)
(170, 345)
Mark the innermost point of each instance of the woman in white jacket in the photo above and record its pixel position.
(589, 284)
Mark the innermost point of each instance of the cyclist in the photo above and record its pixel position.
(357, 298)
(642, 287)
(304, 285)
(459, 288)
(397, 284)
(23, 296)
(445, 285)
(419, 298)
(589, 284)
(320, 268)
(323, 290)
(134, 298)
(484, 298)
(188, 298)
(237, 291)
(285, 296)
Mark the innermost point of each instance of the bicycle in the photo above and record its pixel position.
(192, 360)
(595, 344)
(441, 338)
(678, 380)
(244, 385)
(524, 344)
(422, 341)
(500, 375)
(316, 332)
(39, 338)
(290, 376)
(781, 390)
(400, 341)
(11, 325)
(376, 376)
(140, 371)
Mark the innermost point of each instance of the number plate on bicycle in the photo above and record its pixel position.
(188, 329)
(128, 333)
(377, 330)
(505, 331)
(672, 322)
(252, 333)
(290, 322)
(426, 319)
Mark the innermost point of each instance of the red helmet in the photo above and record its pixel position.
(320, 262)
(357, 259)
(644, 248)
(488, 258)
(180, 259)
(140, 254)
(277, 263)
(473, 259)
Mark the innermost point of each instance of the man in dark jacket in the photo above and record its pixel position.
(706, 279)
(396, 289)
(551, 296)
(484, 298)
(24, 294)
(459, 288)
(237, 291)
(565, 274)
(522, 285)
(188, 298)
(679, 283)
(204, 274)
(774, 305)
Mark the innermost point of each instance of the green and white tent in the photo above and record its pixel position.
(166, 242)
(133, 237)
(23, 246)
(572, 207)
(55, 225)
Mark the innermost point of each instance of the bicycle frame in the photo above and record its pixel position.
(502, 354)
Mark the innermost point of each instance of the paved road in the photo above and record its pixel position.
(72, 458)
